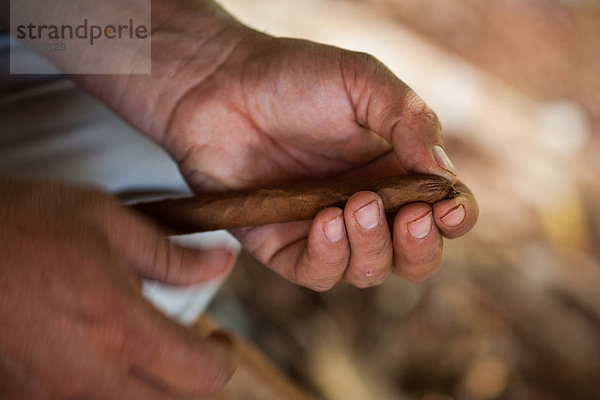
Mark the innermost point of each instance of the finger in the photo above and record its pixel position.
(313, 253)
(417, 243)
(455, 217)
(265, 242)
(175, 265)
(370, 240)
(153, 256)
(175, 357)
(387, 105)
(325, 258)
(318, 262)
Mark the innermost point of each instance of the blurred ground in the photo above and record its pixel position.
(515, 311)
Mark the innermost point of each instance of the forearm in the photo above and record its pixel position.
(190, 40)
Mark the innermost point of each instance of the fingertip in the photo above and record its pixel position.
(364, 210)
(421, 226)
(435, 161)
(446, 168)
(331, 221)
(455, 217)
(222, 259)
(412, 220)
(417, 141)
(422, 157)
(190, 266)
(417, 243)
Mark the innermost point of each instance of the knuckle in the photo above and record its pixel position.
(322, 272)
(416, 159)
(357, 67)
(173, 263)
(417, 112)
(376, 251)
(371, 266)
(361, 59)
(414, 104)
(93, 197)
(379, 253)
(94, 204)
(168, 260)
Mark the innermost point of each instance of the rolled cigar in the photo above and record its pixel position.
(227, 210)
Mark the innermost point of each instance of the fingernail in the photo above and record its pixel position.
(334, 229)
(443, 160)
(220, 258)
(455, 217)
(368, 216)
(420, 228)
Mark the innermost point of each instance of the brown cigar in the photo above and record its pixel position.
(226, 210)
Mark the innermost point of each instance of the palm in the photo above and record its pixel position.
(281, 110)
(273, 120)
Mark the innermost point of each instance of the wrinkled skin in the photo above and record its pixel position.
(236, 109)
(240, 109)
(74, 323)
(280, 110)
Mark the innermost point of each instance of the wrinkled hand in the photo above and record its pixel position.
(240, 109)
(283, 109)
(74, 323)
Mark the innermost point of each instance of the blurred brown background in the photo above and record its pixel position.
(515, 311)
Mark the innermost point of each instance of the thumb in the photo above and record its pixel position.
(153, 256)
(175, 265)
(386, 105)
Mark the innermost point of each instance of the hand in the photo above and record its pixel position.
(283, 109)
(74, 323)
(240, 109)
